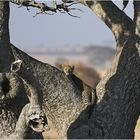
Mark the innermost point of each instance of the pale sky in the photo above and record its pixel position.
(59, 30)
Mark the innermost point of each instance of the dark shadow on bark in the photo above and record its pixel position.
(12, 100)
(80, 128)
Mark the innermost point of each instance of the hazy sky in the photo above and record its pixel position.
(60, 29)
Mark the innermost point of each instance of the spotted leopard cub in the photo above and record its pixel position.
(88, 93)
(67, 69)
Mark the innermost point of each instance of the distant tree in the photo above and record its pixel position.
(118, 94)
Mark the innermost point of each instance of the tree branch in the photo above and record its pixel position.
(4, 22)
(64, 6)
(4, 37)
(18, 68)
(118, 22)
(35, 117)
(32, 3)
(137, 17)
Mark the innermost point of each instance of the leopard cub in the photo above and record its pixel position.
(67, 69)
(88, 93)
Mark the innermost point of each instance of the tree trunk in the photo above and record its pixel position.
(6, 57)
(117, 109)
(12, 89)
(59, 94)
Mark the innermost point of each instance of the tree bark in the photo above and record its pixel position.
(12, 90)
(118, 105)
(12, 100)
(59, 94)
(117, 110)
(117, 21)
(6, 57)
(137, 17)
(23, 130)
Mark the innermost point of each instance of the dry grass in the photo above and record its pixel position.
(137, 130)
(52, 133)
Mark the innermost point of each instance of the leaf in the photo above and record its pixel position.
(125, 3)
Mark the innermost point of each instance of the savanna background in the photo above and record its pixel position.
(84, 42)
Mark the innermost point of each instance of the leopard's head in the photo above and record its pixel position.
(67, 69)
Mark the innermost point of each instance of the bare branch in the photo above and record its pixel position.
(31, 3)
(43, 13)
(73, 3)
(118, 22)
(125, 3)
(73, 15)
(64, 7)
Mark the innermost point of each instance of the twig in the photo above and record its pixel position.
(73, 15)
(64, 7)
(42, 13)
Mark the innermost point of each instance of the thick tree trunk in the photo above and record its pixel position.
(119, 99)
(12, 93)
(5, 53)
(4, 22)
(12, 90)
(117, 109)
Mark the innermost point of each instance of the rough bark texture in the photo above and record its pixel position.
(118, 106)
(11, 94)
(5, 53)
(32, 114)
(137, 17)
(22, 130)
(12, 88)
(117, 21)
(61, 100)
